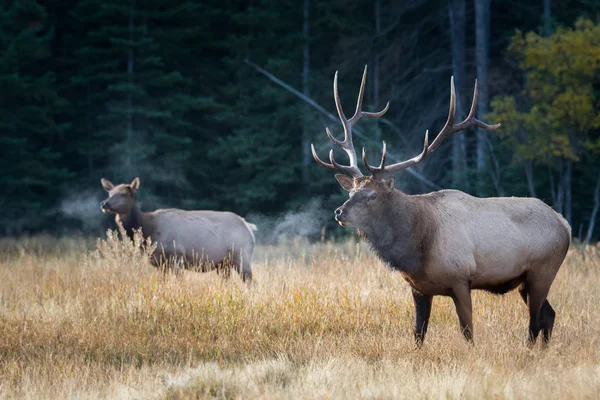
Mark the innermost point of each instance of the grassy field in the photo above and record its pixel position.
(323, 321)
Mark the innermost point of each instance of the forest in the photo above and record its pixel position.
(214, 104)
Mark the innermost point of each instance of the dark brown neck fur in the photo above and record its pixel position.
(401, 235)
(132, 221)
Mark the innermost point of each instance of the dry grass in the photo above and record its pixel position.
(323, 321)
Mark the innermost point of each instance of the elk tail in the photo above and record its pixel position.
(566, 231)
(565, 224)
(251, 229)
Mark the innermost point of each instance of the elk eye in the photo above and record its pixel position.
(372, 196)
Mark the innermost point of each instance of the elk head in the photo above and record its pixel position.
(371, 197)
(120, 198)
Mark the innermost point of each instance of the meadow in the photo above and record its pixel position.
(80, 319)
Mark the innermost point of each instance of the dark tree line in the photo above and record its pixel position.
(172, 91)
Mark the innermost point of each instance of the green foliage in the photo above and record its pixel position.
(553, 123)
(557, 114)
(139, 108)
(159, 89)
(31, 132)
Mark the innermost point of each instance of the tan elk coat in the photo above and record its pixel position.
(448, 242)
(196, 239)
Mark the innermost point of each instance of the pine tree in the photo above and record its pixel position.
(190, 36)
(137, 105)
(30, 134)
(259, 152)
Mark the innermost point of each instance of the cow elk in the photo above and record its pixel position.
(447, 243)
(200, 240)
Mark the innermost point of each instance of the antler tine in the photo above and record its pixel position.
(377, 114)
(469, 122)
(449, 128)
(471, 116)
(474, 102)
(338, 102)
(359, 113)
(334, 165)
(351, 169)
(318, 160)
(378, 172)
(361, 93)
(347, 144)
(333, 139)
(375, 170)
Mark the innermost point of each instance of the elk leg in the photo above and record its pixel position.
(534, 327)
(422, 313)
(224, 269)
(242, 266)
(547, 315)
(523, 292)
(246, 272)
(461, 295)
(537, 297)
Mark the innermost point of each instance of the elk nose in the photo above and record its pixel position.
(103, 203)
(338, 212)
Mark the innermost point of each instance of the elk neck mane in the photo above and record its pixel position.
(401, 234)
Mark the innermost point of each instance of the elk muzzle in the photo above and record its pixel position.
(340, 215)
(105, 207)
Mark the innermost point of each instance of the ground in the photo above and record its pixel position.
(324, 320)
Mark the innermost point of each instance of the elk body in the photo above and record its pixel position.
(197, 239)
(447, 243)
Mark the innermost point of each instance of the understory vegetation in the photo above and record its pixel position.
(324, 320)
(214, 104)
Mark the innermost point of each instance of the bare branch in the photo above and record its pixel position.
(332, 117)
(449, 128)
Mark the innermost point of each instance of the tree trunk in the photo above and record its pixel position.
(130, 65)
(495, 171)
(88, 125)
(559, 206)
(560, 190)
(457, 33)
(547, 17)
(590, 230)
(390, 156)
(568, 192)
(482, 41)
(306, 91)
(376, 68)
(552, 186)
(528, 164)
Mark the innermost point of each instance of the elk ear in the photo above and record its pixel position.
(390, 184)
(345, 182)
(135, 185)
(106, 184)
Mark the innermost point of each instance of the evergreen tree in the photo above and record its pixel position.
(191, 41)
(259, 152)
(137, 105)
(30, 134)
(160, 89)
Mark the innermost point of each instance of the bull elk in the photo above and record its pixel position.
(197, 239)
(447, 243)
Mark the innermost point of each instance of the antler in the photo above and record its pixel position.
(448, 129)
(347, 144)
